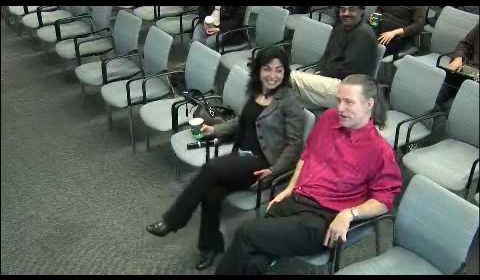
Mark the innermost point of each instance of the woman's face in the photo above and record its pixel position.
(271, 75)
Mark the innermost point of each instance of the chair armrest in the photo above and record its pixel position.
(437, 64)
(306, 67)
(336, 251)
(77, 43)
(145, 78)
(397, 129)
(322, 9)
(422, 117)
(104, 62)
(470, 179)
(221, 44)
(58, 22)
(44, 9)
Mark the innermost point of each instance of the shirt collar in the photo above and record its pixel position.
(354, 134)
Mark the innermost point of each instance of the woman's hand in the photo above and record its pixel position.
(386, 37)
(279, 197)
(338, 228)
(456, 64)
(207, 130)
(262, 173)
(209, 30)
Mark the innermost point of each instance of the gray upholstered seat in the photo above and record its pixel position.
(125, 38)
(269, 29)
(451, 27)
(48, 17)
(449, 161)
(247, 199)
(20, 10)
(234, 96)
(68, 29)
(433, 230)
(309, 42)
(200, 70)
(156, 52)
(414, 90)
(171, 24)
(147, 12)
(101, 19)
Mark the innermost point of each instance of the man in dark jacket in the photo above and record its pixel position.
(226, 18)
(351, 49)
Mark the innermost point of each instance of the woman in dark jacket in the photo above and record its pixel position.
(231, 17)
(269, 139)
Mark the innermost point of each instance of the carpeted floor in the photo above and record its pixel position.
(75, 199)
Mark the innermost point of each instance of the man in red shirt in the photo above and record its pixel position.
(347, 172)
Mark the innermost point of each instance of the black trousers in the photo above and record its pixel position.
(216, 179)
(290, 229)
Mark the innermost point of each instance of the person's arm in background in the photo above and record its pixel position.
(414, 28)
(463, 51)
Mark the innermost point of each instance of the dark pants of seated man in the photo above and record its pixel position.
(216, 179)
(289, 229)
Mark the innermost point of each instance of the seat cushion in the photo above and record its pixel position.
(448, 163)
(47, 33)
(144, 12)
(294, 19)
(66, 48)
(19, 11)
(195, 157)
(240, 58)
(395, 261)
(171, 25)
(31, 20)
(157, 114)
(115, 94)
(429, 59)
(91, 73)
(419, 131)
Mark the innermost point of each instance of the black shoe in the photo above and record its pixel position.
(206, 259)
(159, 228)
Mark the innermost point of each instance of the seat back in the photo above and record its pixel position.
(101, 16)
(270, 25)
(235, 91)
(415, 86)
(201, 67)
(462, 123)
(126, 32)
(309, 41)
(451, 27)
(436, 224)
(156, 50)
(380, 52)
(77, 10)
(310, 120)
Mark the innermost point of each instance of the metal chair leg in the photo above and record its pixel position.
(132, 136)
(147, 139)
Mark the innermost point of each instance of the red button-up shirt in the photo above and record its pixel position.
(345, 167)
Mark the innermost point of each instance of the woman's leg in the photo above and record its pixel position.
(233, 173)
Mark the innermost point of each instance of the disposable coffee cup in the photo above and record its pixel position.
(195, 126)
(209, 20)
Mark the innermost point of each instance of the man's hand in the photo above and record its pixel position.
(338, 228)
(279, 197)
(262, 173)
(456, 64)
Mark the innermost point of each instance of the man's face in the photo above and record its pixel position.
(354, 110)
(350, 16)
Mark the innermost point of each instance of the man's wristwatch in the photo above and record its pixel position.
(355, 213)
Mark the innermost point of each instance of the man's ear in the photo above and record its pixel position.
(370, 102)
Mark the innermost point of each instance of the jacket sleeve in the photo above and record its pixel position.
(227, 128)
(418, 21)
(465, 47)
(294, 127)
